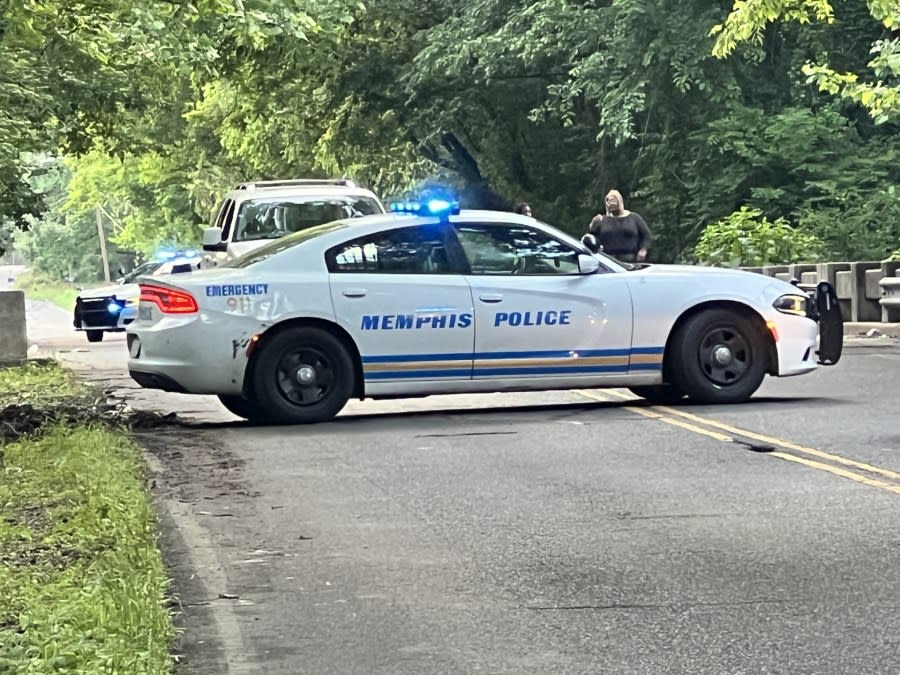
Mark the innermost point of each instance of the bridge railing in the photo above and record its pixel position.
(867, 290)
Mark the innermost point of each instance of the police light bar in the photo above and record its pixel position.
(168, 254)
(431, 207)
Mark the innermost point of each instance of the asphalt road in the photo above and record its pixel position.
(566, 532)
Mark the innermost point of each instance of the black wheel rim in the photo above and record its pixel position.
(724, 355)
(305, 376)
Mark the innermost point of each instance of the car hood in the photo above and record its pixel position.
(238, 248)
(746, 278)
(120, 291)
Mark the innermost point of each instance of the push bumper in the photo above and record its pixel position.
(823, 307)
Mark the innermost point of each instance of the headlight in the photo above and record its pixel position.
(791, 304)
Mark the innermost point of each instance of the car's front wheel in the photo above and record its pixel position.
(718, 356)
(94, 335)
(303, 375)
(240, 406)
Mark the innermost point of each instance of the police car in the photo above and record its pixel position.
(433, 300)
(111, 309)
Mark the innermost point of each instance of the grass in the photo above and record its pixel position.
(39, 288)
(39, 384)
(82, 584)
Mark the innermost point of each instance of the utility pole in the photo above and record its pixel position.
(103, 246)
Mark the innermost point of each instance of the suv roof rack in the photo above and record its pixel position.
(255, 185)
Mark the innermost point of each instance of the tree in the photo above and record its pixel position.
(878, 92)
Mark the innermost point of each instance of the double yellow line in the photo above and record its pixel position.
(790, 452)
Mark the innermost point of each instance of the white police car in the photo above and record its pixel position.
(440, 301)
(111, 309)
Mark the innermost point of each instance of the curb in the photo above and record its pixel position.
(864, 329)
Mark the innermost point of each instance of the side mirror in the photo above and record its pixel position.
(212, 239)
(590, 241)
(587, 264)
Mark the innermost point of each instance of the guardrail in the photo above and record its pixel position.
(867, 291)
(13, 338)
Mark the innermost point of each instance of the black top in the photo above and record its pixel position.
(621, 235)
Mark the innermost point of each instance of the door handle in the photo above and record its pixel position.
(490, 297)
(354, 293)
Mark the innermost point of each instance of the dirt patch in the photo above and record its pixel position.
(24, 419)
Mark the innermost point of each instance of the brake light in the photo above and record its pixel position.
(169, 300)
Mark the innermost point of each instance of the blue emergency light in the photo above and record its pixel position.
(441, 207)
(169, 254)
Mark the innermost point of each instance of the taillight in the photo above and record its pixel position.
(169, 300)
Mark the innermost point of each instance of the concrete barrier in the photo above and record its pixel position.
(13, 338)
(866, 290)
(889, 286)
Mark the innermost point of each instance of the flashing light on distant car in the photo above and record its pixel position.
(169, 254)
(114, 308)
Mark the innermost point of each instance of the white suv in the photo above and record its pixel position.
(254, 213)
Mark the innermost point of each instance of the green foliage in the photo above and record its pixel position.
(163, 106)
(82, 584)
(747, 238)
(38, 287)
(880, 95)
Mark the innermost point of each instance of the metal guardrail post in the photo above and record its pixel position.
(13, 337)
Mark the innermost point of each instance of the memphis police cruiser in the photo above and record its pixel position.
(112, 308)
(433, 300)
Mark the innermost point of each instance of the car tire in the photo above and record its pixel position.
(718, 356)
(242, 407)
(659, 394)
(94, 335)
(303, 375)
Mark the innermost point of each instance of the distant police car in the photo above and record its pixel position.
(441, 301)
(112, 308)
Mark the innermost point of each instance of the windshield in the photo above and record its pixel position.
(275, 217)
(283, 244)
(143, 269)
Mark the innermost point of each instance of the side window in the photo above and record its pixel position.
(410, 250)
(514, 249)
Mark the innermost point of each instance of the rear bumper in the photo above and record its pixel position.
(156, 381)
(186, 355)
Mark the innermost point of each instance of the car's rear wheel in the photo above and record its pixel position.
(94, 335)
(660, 394)
(303, 375)
(718, 356)
(240, 406)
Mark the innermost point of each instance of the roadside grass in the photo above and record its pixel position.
(38, 288)
(82, 584)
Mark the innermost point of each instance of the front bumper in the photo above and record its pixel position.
(95, 314)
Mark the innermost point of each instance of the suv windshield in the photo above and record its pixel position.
(275, 217)
(284, 243)
(143, 269)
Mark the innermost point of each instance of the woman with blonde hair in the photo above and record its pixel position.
(620, 233)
